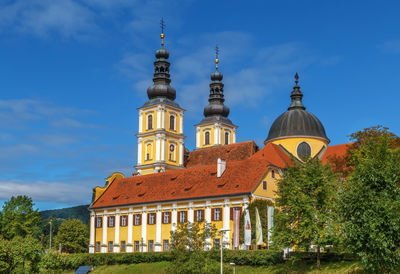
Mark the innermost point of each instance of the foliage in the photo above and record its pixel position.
(344, 164)
(307, 201)
(45, 229)
(191, 236)
(20, 255)
(187, 245)
(73, 236)
(371, 201)
(262, 206)
(76, 212)
(19, 219)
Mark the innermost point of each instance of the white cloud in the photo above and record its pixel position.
(46, 191)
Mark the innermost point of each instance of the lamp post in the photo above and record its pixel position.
(50, 231)
(233, 264)
(223, 230)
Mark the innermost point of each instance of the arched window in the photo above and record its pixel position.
(148, 152)
(172, 152)
(150, 121)
(172, 122)
(226, 138)
(207, 138)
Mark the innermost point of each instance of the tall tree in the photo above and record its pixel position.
(73, 235)
(307, 202)
(370, 204)
(19, 219)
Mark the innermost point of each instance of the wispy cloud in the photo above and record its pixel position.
(46, 191)
(392, 46)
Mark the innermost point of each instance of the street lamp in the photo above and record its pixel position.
(233, 264)
(223, 230)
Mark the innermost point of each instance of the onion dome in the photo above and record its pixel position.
(216, 110)
(161, 81)
(296, 121)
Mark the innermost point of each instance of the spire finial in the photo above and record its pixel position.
(216, 57)
(296, 77)
(162, 24)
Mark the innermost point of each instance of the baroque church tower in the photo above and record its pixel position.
(160, 137)
(216, 128)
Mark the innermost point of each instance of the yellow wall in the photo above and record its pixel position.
(290, 144)
(177, 121)
(175, 154)
(144, 151)
(271, 185)
(203, 129)
(144, 124)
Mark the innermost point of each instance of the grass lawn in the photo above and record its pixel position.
(299, 267)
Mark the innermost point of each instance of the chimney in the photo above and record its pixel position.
(221, 166)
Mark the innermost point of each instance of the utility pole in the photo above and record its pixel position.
(223, 230)
(51, 222)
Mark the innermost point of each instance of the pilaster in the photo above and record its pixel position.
(116, 232)
(144, 229)
(190, 213)
(226, 240)
(208, 222)
(105, 225)
(198, 144)
(174, 217)
(92, 232)
(130, 225)
(158, 229)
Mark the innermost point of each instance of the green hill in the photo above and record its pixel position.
(76, 212)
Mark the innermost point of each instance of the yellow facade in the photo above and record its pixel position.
(271, 185)
(290, 144)
(211, 130)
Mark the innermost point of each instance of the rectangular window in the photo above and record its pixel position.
(124, 220)
(217, 214)
(273, 174)
(167, 217)
(199, 215)
(123, 246)
(265, 185)
(97, 246)
(111, 221)
(182, 216)
(136, 246)
(151, 245)
(216, 243)
(138, 219)
(165, 245)
(99, 221)
(147, 156)
(151, 219)
(110, 246)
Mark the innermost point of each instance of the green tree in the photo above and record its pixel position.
(187, 244)
(20, 255)
(19, 219)
(73, 235)
(307, 202)
(371, 202)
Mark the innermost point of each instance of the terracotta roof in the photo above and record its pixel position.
(233, 152)
(196, 182)
(335, 151)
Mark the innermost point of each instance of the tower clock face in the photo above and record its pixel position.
(171, 148)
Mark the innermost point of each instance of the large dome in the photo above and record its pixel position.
(296, 121)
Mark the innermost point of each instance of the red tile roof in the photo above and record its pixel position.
(196, 182)
(233, 152)
(335, 151)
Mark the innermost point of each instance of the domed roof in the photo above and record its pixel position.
(296, 121)
(162, 53)
(216, 76)
(216, 109)
(161, 90)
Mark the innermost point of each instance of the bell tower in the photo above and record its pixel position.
(160, 136)
(216, 128)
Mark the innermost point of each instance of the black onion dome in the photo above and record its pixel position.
(161, 81)
(161, 90)
(296, 121)
(162, 54)
(216, 76)
(216, 109)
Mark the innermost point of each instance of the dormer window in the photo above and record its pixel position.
(172, 122)
(149, 121)
(206, 138)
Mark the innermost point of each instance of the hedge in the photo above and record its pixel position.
(56, 262)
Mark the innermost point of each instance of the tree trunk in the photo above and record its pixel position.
(318, 259)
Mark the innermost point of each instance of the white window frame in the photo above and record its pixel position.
(147, 121)
(151, 245)
(136, 246)
(152, 218)
(137, 219)
(167, 216)
(99, 222)
(111, 221)
(123, 246)
(124, 220)
(165, 245)
(173, 115)
(229, 137)
(110, 246)
(200, 213)
(98, 246)
(184, 214)
(217, 213)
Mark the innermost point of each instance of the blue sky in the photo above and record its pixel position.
(73, 73)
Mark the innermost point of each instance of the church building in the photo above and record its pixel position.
(211, 184)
